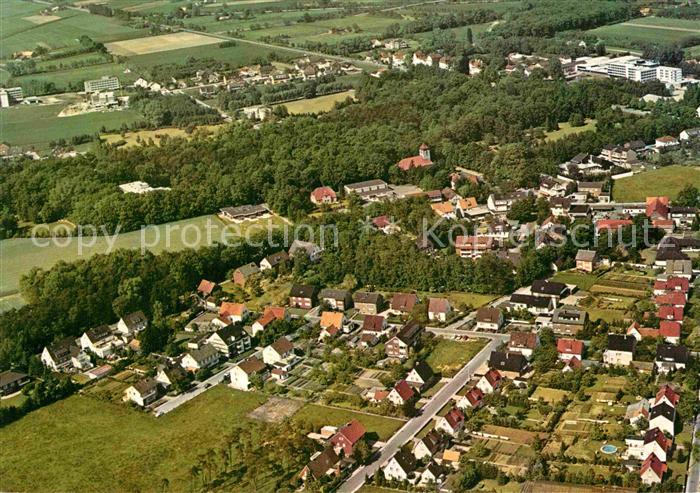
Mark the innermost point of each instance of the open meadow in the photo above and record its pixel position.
(662, 181)
(449, 356)
(637, 32)
(319, 104)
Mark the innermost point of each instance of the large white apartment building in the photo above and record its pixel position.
(632, 68)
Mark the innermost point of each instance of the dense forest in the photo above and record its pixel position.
(488, 125)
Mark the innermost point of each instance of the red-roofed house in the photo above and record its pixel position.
(403, 302)
(233, 312)
(270, 314)
(473, 246)
(490, 382)
(451, 423)
(323, 195)
(652, 470)
(420, 161)
(673, 298)
(611, 224)
(668, 395)
(347, 437)
(670, 313)
(671, 284)
(569, 348)
(473, 398)
(657, 207)
(401, 393)
(206, 288)
(670, 330)
(656, 443)
(640, 332)
(438, 309)
(572, 364)
(384, 224)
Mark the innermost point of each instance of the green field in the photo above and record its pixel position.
(73, 78)
(36, 126)
(565, 129)
(17, 33)
(663, 181)
(19, 255)
(320, 416)
(648, 30)
(320, 104)
(581, 280)
(84, 444)
(449, 356)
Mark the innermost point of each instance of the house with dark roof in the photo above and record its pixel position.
(586, 260)
(368, 303)
(438, 309)
(670, 357)
(489, 318)
(403, 303)
(524, 343)
(198, 359)
(401, 345)
(656, 442)
(57, 356)
(143, 392)
(321, 464)
(132, 323)
(536, 305)
(241, 374)
(620, 350)
(244, 273)
(510, 365)
(663, 416)
(302, 296)
(550, 289)
(274, 260)
(230, 340)
(12, 381)
(338, 299)
(280, 352)
(401, 467)
(428, 446)
(568, 320)
(420, 376)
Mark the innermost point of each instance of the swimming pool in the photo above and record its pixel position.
(608, 449)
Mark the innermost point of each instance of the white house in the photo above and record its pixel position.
(451, 423)
(428, 446)
(400, 467)
(143, 392)
(438, 309)
(241, 373)
(489, 319)
(490, 382)
(401, 393)
(663, 417)
(230, 340)
(199, 359)
(279, 352)
(620, 350)
(132, 323)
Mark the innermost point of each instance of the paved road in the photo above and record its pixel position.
(413, 426)
(692, 485)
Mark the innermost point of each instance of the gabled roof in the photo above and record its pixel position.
(676, 298)
(133, 320)
(302, 291)
(204, 352)
(373, 323)
(409, 332)
(507, 361)
(454, 418)
(251, 365)
(404, 302)
(547, 287)
(228, 309)
(488, 314)
(8, 377)
(668, 312)
(432, 441)
(332, 319)
(656, 435)
(206, 287)
(365, 297)
(405, 461)
(353, 431)
(654, 464)
(663, 409)
(96, 334)
(334, 294)
(277, 258)
(423, 370)
(438, 305)
(523, 340)
(570, 346)
(321, 192)
(404, 390)
(672, 353)
(586, 255)
(669, 328)
(271, 314)
(474, 396)
(146, 386)
(282, 345)
(323, 462)
(248, 269)
(531, 300)
(624, 343)
(231, 333)
(670, 394)
(493, 377)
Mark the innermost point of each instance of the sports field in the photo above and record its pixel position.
(36, 126)
(156, 44)
(662, 181)
(111, 447)
(637, 32)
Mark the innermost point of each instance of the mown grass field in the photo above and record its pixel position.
(449, 356)
(648, 30)
(319, 104)
(383, 427)
(84, 444)
(662, 181)
(36, 126)
(565, 129)
(580, 279)
(19, 255)
(132, 139)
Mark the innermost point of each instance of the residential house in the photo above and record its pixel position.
(473, 246)
(337, 299)
(510, 365)
(489, 318)
(690, 134)
(451, 458)
(682, 216)
(347, 437)
(445, 210)
(536, 305)
(323, 195)
(471, 398)
(666, 143)
(438, 309)
(490, 382)
(206, 288)
(652, 470)
(198, 359)
(620, 350)
(270, 314)
(12, 381)
(57, 356)
(241, 374)
(420, 376)
(550, 289)
(668, 395)
(233, 312)
(332, 323)
(568, 320)
(230, 340)
(273, 260)
(670, 357)
(132, 323)
(244, 273)
(586, 260)
(374, 325)
(403, 303)
(100, 341)
(279, 352)
(637, 411)
(619, 155)
(592, 188)
(368, 303)
(579, 211)
(663, 416)
(370, 190)
(302, 296)
(570, 348)
(321, 464)
(676, 299)
(680, 268)
(673, 313)
(452, 422)
(655, 442)
(524, 343)
(143, 392)
(401, 393)
(422, 160)
(551, 187)
(401, 345)
(311, 250)
(428, 446)
(611, 225)
(681, 284)
(559, 206)
(400, 467)
(169, 374)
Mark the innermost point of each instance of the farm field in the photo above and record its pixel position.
(156, 44)
(114, 435)
(36, 126)
(21, 254)
(647, 30)
(565, 129)
(383, 427)
(20, 34)
(73, 78)
(449, 356)
(318, 104)
(662, 181)
(460, 33)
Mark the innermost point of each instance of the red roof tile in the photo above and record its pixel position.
(570, 346)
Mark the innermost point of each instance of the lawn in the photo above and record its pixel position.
(581, 280)
(550, 396)
(36, 126)
(662, 181)
(449, 356)
(132, 450)
(21, 254)
(565, 129)
(383, 427)
(319, 104)
(15, 400)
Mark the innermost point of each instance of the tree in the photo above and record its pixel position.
(470, 36)
(689, 196)
(577, 120)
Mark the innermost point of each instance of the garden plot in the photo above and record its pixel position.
(276, 410)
